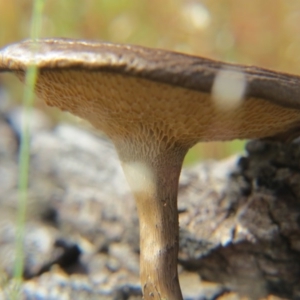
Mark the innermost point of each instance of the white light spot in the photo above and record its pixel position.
(196, 16)
(139, 176)
(228, 89)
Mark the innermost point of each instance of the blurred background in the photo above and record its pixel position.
(264, 33)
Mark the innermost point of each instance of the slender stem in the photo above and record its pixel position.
(154, 182)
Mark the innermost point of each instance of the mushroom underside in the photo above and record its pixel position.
(126, 107)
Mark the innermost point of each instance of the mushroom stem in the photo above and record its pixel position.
(154, 182)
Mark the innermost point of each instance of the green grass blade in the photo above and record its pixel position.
(24, 154)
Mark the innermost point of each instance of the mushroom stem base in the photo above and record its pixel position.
(154, 182)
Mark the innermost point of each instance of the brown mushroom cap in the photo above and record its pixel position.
(134, 91)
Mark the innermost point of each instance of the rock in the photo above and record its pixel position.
(37, 120)
(239, 221)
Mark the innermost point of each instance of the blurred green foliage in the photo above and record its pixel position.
(264, 33)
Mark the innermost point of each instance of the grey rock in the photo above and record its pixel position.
(239, 221)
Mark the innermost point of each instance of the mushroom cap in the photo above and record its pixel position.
(135, 92)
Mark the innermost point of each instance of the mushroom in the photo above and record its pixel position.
(154, 105)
